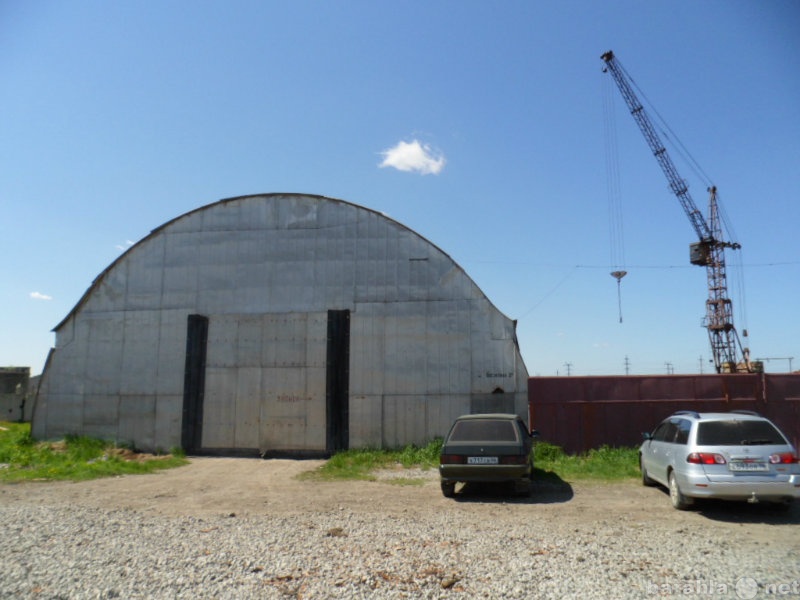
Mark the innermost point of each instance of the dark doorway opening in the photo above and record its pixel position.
(337, 382)
(194, 383)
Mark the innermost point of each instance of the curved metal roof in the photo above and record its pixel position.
(155, 232)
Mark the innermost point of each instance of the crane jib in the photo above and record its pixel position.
(709, 251)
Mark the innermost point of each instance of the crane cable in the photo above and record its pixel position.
(613, 190)
(668, 134)
(738, 267)
(680, 149)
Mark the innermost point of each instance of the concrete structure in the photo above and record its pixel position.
(279, 323)
(14, 394)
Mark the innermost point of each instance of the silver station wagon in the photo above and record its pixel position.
(738, 455)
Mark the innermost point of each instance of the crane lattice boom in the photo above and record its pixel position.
(709, 251)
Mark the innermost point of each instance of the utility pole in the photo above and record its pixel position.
(701, 364)
(789, 358)
(627, 365)
(569, 368)
(670, 370)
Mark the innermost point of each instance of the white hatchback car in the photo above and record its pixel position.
(738, 455)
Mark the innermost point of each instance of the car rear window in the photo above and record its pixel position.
(738, 433)
(484, 430)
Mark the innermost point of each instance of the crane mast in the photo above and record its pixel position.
(709, 251)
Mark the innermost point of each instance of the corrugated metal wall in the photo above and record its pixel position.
(425, 344)
(580, 413)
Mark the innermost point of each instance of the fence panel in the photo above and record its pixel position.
(580, 413)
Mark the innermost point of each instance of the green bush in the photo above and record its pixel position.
(544, 451)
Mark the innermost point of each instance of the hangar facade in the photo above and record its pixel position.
(279, 324)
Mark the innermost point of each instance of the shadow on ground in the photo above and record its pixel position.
(548, 488)
(769, 513)
(742, 512)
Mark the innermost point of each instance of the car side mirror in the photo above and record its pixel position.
(534, 434)
(646, 436)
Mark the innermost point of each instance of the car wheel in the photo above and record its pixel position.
(645, 477)
(677, 498)
(448, 489)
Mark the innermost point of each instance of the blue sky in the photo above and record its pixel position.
(478, 124)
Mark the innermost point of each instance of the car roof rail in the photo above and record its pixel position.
(746, 412)
(691, 413)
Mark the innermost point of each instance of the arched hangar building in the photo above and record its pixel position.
(279, 324)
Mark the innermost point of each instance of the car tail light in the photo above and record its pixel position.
(784, 458)
(705, 458)
(452, 459)
(514, 460)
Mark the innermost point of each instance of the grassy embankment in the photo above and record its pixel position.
(73, 458)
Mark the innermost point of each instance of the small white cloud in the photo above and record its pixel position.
(414, 157)
(128, 244)
(40, 296)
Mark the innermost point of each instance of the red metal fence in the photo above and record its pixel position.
(580, 413)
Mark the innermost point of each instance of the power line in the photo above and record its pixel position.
(547, 295)
(580, 266)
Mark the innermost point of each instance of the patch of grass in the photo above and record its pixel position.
(74, 458)
(550, 462)
(360, 464)
(605, 463)
(424, 457)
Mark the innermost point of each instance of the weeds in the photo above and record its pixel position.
(74, 458)
(79, 458)
(605, 463)
(550, 461)
(360, 464)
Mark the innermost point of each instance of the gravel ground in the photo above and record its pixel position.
(142, 537)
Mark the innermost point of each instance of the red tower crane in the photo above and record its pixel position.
(709, 251)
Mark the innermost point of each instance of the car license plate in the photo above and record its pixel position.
(748, 467)
(481, 460)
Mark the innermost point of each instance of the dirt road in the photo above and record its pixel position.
(221, 486)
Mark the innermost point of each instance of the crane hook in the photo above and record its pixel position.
(618, 275)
